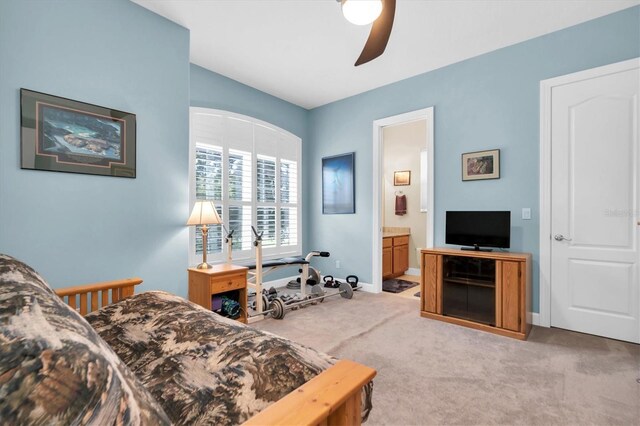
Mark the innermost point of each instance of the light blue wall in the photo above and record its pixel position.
(491, 101)
(212, 90)
(79, 228)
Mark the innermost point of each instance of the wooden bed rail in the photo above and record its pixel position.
(95, 296)
(331, 398)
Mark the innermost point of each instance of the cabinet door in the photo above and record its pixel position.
(404, 259)
(387, 262)
(429, 295)
(400, 259)
(511, 276)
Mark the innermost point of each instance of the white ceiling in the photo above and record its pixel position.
(303, 51)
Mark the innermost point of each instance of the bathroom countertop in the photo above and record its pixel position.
(395, 234)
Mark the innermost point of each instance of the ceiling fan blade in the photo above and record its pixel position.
(379, 35)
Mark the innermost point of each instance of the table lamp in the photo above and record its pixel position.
(204, 213)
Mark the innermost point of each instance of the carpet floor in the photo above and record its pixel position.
(430, 372)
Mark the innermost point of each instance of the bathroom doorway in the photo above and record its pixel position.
(403, 199)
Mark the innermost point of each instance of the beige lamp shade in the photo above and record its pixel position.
(204, 213)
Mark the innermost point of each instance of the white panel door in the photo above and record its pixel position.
(594, 205)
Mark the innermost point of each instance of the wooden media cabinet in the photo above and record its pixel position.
(488, 291)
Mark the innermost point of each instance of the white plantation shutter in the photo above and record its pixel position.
(239, 169)
(240, 222)
(208, 172)
(209, 187)
(266, 179)
(289, 226)
(250, 169)
(266, 222)
(266, 199)
(288, 182)
(288, 203)
(239, 198)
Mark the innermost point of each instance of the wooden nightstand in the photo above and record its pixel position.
(220, 279)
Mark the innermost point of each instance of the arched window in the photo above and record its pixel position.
(251, 170)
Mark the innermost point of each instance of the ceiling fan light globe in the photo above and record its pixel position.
(361, 12)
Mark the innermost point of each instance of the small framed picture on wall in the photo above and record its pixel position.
(481, 165)
(402, 178)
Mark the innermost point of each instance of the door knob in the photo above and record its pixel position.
(560, 237)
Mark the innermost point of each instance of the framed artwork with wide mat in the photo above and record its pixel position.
(63, 135)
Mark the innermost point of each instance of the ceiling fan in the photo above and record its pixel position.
(363, 12)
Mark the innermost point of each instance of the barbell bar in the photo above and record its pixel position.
(278, 308)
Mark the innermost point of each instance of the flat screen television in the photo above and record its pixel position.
(476, 229)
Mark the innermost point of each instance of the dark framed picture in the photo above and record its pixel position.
(481, 165)
(402, 178)
(338, 184)
(63, 135)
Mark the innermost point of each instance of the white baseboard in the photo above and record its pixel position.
(369, 288)
(535, 318)
(413, 271)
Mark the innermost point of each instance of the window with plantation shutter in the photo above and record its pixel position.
(250, 169)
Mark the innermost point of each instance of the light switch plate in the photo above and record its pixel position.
(526, 213)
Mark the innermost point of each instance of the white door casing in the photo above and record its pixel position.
(592, 231)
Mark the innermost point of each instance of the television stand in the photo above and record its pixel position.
(489, 291)
(476, 248)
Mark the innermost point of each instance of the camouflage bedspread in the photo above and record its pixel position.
(54, 368)
(203, 368)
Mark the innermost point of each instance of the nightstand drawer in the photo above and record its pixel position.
(233, 282)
